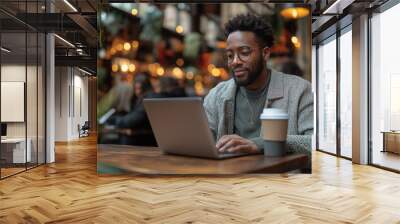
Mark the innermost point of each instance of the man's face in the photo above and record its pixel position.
(244, 56)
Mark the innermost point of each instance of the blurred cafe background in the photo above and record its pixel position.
(177, 50)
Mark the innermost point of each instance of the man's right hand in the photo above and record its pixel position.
(235, 143)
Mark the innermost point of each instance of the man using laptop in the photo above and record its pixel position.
(233, 107)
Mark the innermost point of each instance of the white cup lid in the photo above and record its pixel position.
(274, 114)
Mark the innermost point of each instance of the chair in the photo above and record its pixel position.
(84, 130)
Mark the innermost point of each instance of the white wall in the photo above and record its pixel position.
(33, 126)
(61, 103)
(16, 73)
(12, 73)
(71, 94)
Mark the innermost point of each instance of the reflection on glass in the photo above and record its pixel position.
(346, 94)
(31, 97)
(22, 89)
(41, 98)
(385, 88)
(327, 96)
(14, 148)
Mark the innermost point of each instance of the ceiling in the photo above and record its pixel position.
(330, 15)
(76, 22)
(72, 20)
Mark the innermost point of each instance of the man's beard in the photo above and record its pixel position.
(252, 75)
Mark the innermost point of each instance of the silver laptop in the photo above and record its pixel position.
(180, 127)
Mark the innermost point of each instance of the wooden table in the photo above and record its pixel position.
(150, 160)
(13, 150)
(391, 141)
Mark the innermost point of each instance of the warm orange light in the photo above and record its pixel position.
(114, 68)
(160, 71)
(198, 86)
(124, 67)
(135, 44)
(295, 12)
(120, 47)
(224, 74)
(221, 44)
(179, 29)
(134, 12)
(152, 69)
(113, 51)
(177, 72)
(294, 39)
(295, 42)
(210, 67)
(127, 46)
(215, 72)
(132, 67)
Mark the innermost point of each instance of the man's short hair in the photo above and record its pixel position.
(256, 24)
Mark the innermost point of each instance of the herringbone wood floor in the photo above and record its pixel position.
(70, 191)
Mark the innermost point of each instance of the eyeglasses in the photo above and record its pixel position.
(244, 54)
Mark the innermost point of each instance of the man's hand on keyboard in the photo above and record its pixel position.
(236, 144)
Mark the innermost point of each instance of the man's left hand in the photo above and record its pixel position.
(235, 143)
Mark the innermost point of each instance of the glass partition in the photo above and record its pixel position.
(346, 93)
(31, 96)
(385, 89)
(15, 149)
(41, 96)
(327, 96)
(22, 89)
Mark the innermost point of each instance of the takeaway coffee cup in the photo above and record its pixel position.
(274, 125)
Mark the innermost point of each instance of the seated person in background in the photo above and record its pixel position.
(136, 120)
(136, 126)
(124, 94)
(233, 107)
(118, 97)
